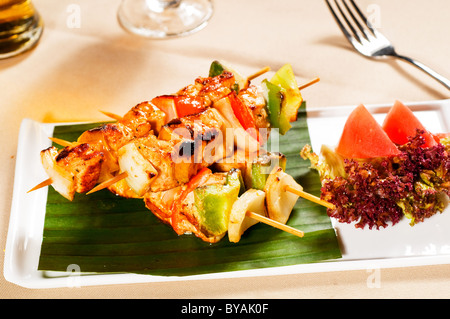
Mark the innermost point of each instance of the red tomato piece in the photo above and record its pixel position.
(400, 123)
(363, 137)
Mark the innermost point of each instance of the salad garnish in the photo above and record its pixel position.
(377, 192)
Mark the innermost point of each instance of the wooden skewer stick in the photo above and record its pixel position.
(97, 188)
(260, 72)
(275, 224)
(310, 197)
(108, 183)
(255, 216)
(308, 84)
(47, 182)
(61, 142)
(112, 115)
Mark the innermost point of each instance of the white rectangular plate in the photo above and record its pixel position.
(427, 243)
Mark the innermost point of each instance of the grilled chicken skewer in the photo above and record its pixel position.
(136, 156)
(252, 166)
(79, 166)
(211, 93)
(179, 207)
(213, 204)
(97, 149)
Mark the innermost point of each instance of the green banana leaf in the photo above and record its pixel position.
(103, 233)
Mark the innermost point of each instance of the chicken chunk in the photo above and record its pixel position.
(144, 118)
(162, 205)
(73, 169)
(159, 154)
(210, 89)
(84, 162)
(253, 98)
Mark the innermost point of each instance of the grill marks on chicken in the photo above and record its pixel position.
(93, 157)
(84, 163)
(160, 149)
(176, 207)
(142, 120)
(177, 147)
(210, 89)
(177, 153)
(257, 104)
(163, 150)
(75, 169)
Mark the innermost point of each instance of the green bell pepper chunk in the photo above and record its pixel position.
(283, 98)
(217, 68)
(263, 165)
(293, 98)
(274, 96)
(235, 179)
(214, 203)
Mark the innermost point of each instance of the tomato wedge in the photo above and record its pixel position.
(363, 137)
(401, 123)
(244, 115)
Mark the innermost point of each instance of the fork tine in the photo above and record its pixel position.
(363, 18)
(355, 19)
(341, 26)
(374, 31)
(373, 44)
(366, 21)
(350, 25)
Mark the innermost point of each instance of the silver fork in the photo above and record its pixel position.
(368, 41)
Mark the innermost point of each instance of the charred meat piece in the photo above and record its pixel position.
(84, 162)
(74, 169)
(176, 207)
(253, 98)
(198, 142)
(144, 118)
(159, 154)
(183, 148)
(210, 89)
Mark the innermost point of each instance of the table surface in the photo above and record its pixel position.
(79, 69)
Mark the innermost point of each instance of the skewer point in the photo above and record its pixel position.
(273, 223)
(47, 182)
(303, 86)
(310, 197)
(112, 115)
(258, 73)
(108, 183)
(61, 142)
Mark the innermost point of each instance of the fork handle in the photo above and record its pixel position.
(427, 70)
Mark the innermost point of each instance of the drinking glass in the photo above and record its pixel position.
(164, 18)
(20, 27)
